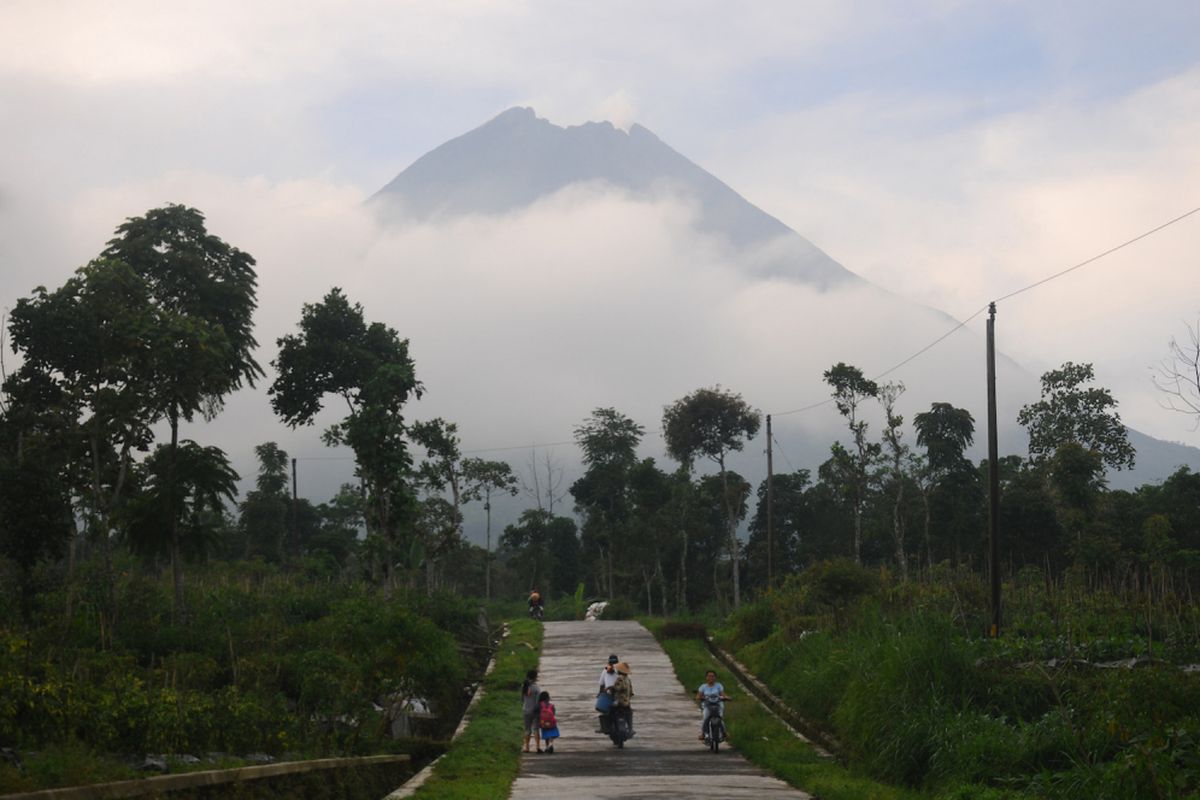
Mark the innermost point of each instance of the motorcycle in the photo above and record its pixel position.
(620, 725)
(537, 612)
(714, 726)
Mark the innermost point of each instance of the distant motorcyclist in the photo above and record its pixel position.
(537, 606)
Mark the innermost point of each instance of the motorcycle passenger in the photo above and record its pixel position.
(711, 690)
(623, 695)
(608, 677)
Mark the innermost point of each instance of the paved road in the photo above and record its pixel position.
(664, 759)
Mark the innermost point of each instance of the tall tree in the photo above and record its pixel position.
(1071, 412)
(850, 389)
(442, 468)
(263, 514)
(203, 482)
(84, 352)
(897, 455)
(945, 432)
(609, 442)
(203, 292)
(368, 367)
(713, 423)
(482, 479)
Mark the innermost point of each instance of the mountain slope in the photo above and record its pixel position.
(518, 158)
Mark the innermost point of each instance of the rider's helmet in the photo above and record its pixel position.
(612, 660)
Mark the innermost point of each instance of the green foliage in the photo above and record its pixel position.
(267, 663)
(916, 698)
(1069, 412)
(751, 623)
(683, 630)
(619, 608)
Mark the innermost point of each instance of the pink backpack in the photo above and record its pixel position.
(546, 716)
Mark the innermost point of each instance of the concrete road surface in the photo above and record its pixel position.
(663, 760)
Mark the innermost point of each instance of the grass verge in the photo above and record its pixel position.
(483, 762)
(764, 740)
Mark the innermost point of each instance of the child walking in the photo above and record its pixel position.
(529, 709)
(547, 721)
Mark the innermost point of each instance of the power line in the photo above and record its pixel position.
(1107, 252)
(958, 326)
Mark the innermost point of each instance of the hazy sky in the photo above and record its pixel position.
(947, 151)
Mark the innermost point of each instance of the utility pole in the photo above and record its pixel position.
(993, 473)
(295, 523)
(770, 510)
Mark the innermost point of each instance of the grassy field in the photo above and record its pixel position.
(483, 762)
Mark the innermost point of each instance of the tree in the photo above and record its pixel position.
(263, 514)
(1071, 412)
(442, 468)
(713, 423)
(482, 478)
(203, 482)
(792, 521)
(609, 442)
(533, 539)
(945, 432)
(85, 356)
(368, 367)
(850, 388)
(1178, 375)
(897, 455)
(203, 296)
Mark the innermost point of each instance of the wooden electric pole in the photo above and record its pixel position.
(993, 473)
(770, 510)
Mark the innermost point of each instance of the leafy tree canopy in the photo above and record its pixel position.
(1070, 412)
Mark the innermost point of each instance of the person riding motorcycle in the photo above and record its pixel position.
(608, 678)
(537, 606)
(711, 692)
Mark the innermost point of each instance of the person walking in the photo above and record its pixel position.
(547, 721)
(529, 709)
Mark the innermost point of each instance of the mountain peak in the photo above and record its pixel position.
(518, 158)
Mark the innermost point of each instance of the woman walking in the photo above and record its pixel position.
(529, 709)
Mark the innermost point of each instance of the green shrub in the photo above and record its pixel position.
(751, 623)
(620, 608)
(684, 630)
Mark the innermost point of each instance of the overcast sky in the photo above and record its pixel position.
(950, 152)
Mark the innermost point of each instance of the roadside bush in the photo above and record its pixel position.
(684, 630)
(751, 623)
(620, 608)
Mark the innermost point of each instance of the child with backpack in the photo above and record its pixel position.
(547, 721)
